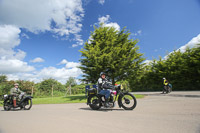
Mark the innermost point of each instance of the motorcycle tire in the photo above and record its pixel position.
(6, 105)
(127, 101)
(27, 104)
(94, 102)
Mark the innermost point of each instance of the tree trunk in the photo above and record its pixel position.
(32, 91)
(52, 91)
(113, 80)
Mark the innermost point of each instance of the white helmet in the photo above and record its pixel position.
(16, 84)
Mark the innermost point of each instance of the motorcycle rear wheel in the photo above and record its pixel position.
(6, 105)
(94, 102)
(128, 101)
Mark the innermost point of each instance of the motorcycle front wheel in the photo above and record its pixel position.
(128, 101)
(27, 104)
(94, 102)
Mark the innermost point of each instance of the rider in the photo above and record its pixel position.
(104, 86)
(166, 84)
(16, 91)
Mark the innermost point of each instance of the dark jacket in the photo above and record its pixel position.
(104, 84)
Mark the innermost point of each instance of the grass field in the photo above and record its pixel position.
(67, 99)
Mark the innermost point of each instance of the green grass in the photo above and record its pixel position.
(58, 100)
(67, 99)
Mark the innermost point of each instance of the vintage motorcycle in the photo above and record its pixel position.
(10, 101)
(168, 89)
(125, 99)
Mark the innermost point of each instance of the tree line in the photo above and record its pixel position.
(47, 87)
(181, 69)
(115, 53)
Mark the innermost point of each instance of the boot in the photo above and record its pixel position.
(106, 103)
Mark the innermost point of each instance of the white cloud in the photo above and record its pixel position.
(72, 65)
(10, 60)
(69, 64)
(104, 19)
(147, 62)
(62, 17)
(139, 32)
(9, 39)
(60, 74)
(101, 2)
(38, 59)
(191, 44)
(25, 36)
(14, 66)
(107, 23)
(64, 61)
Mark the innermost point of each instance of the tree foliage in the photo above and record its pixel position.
(182, 69)
(71, 81)
(46, 86)
(110, 51)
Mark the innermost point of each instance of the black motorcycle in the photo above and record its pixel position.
(25, 102)
(125, 99)
(167, 89)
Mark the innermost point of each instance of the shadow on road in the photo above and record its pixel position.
(14, 110)
(102, 109)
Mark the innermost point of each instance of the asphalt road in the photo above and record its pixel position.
(156, 113)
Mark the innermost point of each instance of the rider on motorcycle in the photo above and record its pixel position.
(104, 86)
(166, 85)
(16, 91)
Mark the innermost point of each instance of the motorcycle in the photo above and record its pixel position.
(167, 88)
(125, 99)
(10, 101)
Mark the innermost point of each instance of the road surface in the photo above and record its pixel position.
(156, 113)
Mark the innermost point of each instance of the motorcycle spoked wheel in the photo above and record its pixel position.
(27, 104)
(6, 105)
(94, 102)
(128, 101)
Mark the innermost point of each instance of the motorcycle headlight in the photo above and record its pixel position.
(5, 96)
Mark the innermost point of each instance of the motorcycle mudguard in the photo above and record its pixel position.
(26, 98)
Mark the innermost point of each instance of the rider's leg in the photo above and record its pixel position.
(107, 95)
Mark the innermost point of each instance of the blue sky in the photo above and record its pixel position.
(41, 39)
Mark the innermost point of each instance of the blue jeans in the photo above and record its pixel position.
(105, 92)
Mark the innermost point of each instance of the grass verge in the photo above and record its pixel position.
(67, 99)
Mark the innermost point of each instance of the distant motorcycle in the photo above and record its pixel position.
(168, 88)
(9, 102)
(125, 100)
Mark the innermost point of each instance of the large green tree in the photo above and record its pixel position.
(110, 51)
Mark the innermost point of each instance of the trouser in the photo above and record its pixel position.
(105, 92)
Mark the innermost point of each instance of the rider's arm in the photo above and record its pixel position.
(12, 91)
(20, 91)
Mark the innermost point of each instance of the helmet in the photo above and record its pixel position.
(164, 78)
(16, 84)
(102, 73)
